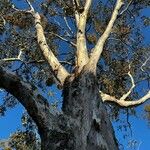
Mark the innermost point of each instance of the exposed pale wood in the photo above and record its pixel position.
(82, 54)
(123, 100)
(96, 53)
(124, 103)
(59, 71)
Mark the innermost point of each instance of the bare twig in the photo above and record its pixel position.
(4, 21)
(11, 59)
(28, 11)
(66, 62)
(126, 8)
(18, 58)
(132, 87)
(145, 63)
(62, 38)
(67, 24)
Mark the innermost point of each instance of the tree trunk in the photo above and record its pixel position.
(86, 125)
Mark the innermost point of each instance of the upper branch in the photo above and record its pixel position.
(75, 4)
(95, 55)
(18, 58)
(82, 54)
(36, 105)
(57, 69)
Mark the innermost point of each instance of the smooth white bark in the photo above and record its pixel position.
(96, 53)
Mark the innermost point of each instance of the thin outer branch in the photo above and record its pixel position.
(31, 7)
(67, 24)
(4, 21)
(13, 58)
(123, 11)
(132, 87)
(95, 55)
(62, 38)
(29, 11)
(145, 63)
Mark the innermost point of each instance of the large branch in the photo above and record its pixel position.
(57, 69)
(122, 101)
(96, 53)
(82, 54)
(35, 104)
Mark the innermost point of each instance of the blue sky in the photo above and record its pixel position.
(141, 132)
(140, 129)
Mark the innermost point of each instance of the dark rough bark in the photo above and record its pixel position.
(91, 128)
(84, 123)
(28, 95)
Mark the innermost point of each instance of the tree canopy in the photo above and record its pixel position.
(45, 41)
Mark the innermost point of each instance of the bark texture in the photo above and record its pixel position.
(84, 123)
(90, 125)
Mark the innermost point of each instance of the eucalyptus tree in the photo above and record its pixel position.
(92, 50)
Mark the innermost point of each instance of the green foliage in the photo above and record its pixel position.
(125, 46)
(147, 108)
(21, 140)
(146, 21)
(27, 139)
